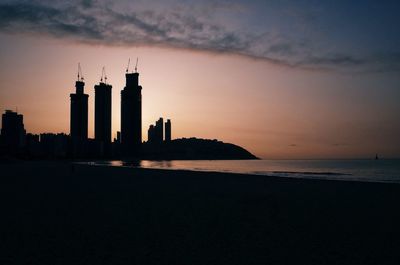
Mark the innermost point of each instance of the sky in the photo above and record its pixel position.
(283, 79)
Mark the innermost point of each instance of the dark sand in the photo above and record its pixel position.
(102, 215)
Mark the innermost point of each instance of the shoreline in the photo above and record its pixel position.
(324, 176)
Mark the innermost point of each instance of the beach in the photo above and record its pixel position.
(62, 213)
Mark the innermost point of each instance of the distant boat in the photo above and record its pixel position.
(376, 157)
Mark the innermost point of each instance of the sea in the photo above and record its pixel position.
(383, 170)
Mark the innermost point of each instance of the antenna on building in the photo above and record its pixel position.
(137, 59)
(80, 75)
(127, 68)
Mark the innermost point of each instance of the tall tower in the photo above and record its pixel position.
(159, 131)
(79, 116)
(131, 115)
(12, 131)
(168, 130)
(150, 134)
(102, 116)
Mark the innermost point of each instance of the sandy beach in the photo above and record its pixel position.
(56, 213)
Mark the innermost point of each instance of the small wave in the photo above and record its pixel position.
(312, 173)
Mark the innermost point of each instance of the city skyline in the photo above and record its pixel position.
(292, 102)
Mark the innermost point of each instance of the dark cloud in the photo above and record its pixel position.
(100, 23)
(333, 59)
(340, 145)
(385, 62)
(281, 48)
(87, 3)
(292, 145)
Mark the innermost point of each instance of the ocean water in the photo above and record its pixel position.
(385, 170)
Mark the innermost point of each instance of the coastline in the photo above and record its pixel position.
(59, 213)
(387, 171)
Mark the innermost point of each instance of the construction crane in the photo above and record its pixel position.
(127, 68)
(80, 75)
(103, 75)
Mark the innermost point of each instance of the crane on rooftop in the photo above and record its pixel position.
(127, 68)
(103, 75)
(80, 75)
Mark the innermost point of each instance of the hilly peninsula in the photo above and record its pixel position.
(195, 149)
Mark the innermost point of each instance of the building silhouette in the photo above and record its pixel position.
(155, 133)
(118, 139)
(131, 116)
(128, 141)
(33, 148)
(102, 118)
(79, 119)
(13, 134)
(168, 130)
(159, 131)
(150, 134)
(79, 113)
(54, 145)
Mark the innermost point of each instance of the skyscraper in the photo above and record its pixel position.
(102, 118)
(12, 131)
(150, 134)
(159, 131)
(156, 132)
(79, 118)
(168, 130)
(131, 115)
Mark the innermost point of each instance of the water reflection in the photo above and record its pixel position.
(360, 170)
(163, 164)
(119, 163)
(134, 163)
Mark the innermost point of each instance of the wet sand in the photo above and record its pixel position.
(55, 213)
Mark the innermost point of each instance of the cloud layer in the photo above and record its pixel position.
(108, 24)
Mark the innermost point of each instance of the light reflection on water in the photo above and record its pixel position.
(360, 170)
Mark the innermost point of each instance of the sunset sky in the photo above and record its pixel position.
(283, 79)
